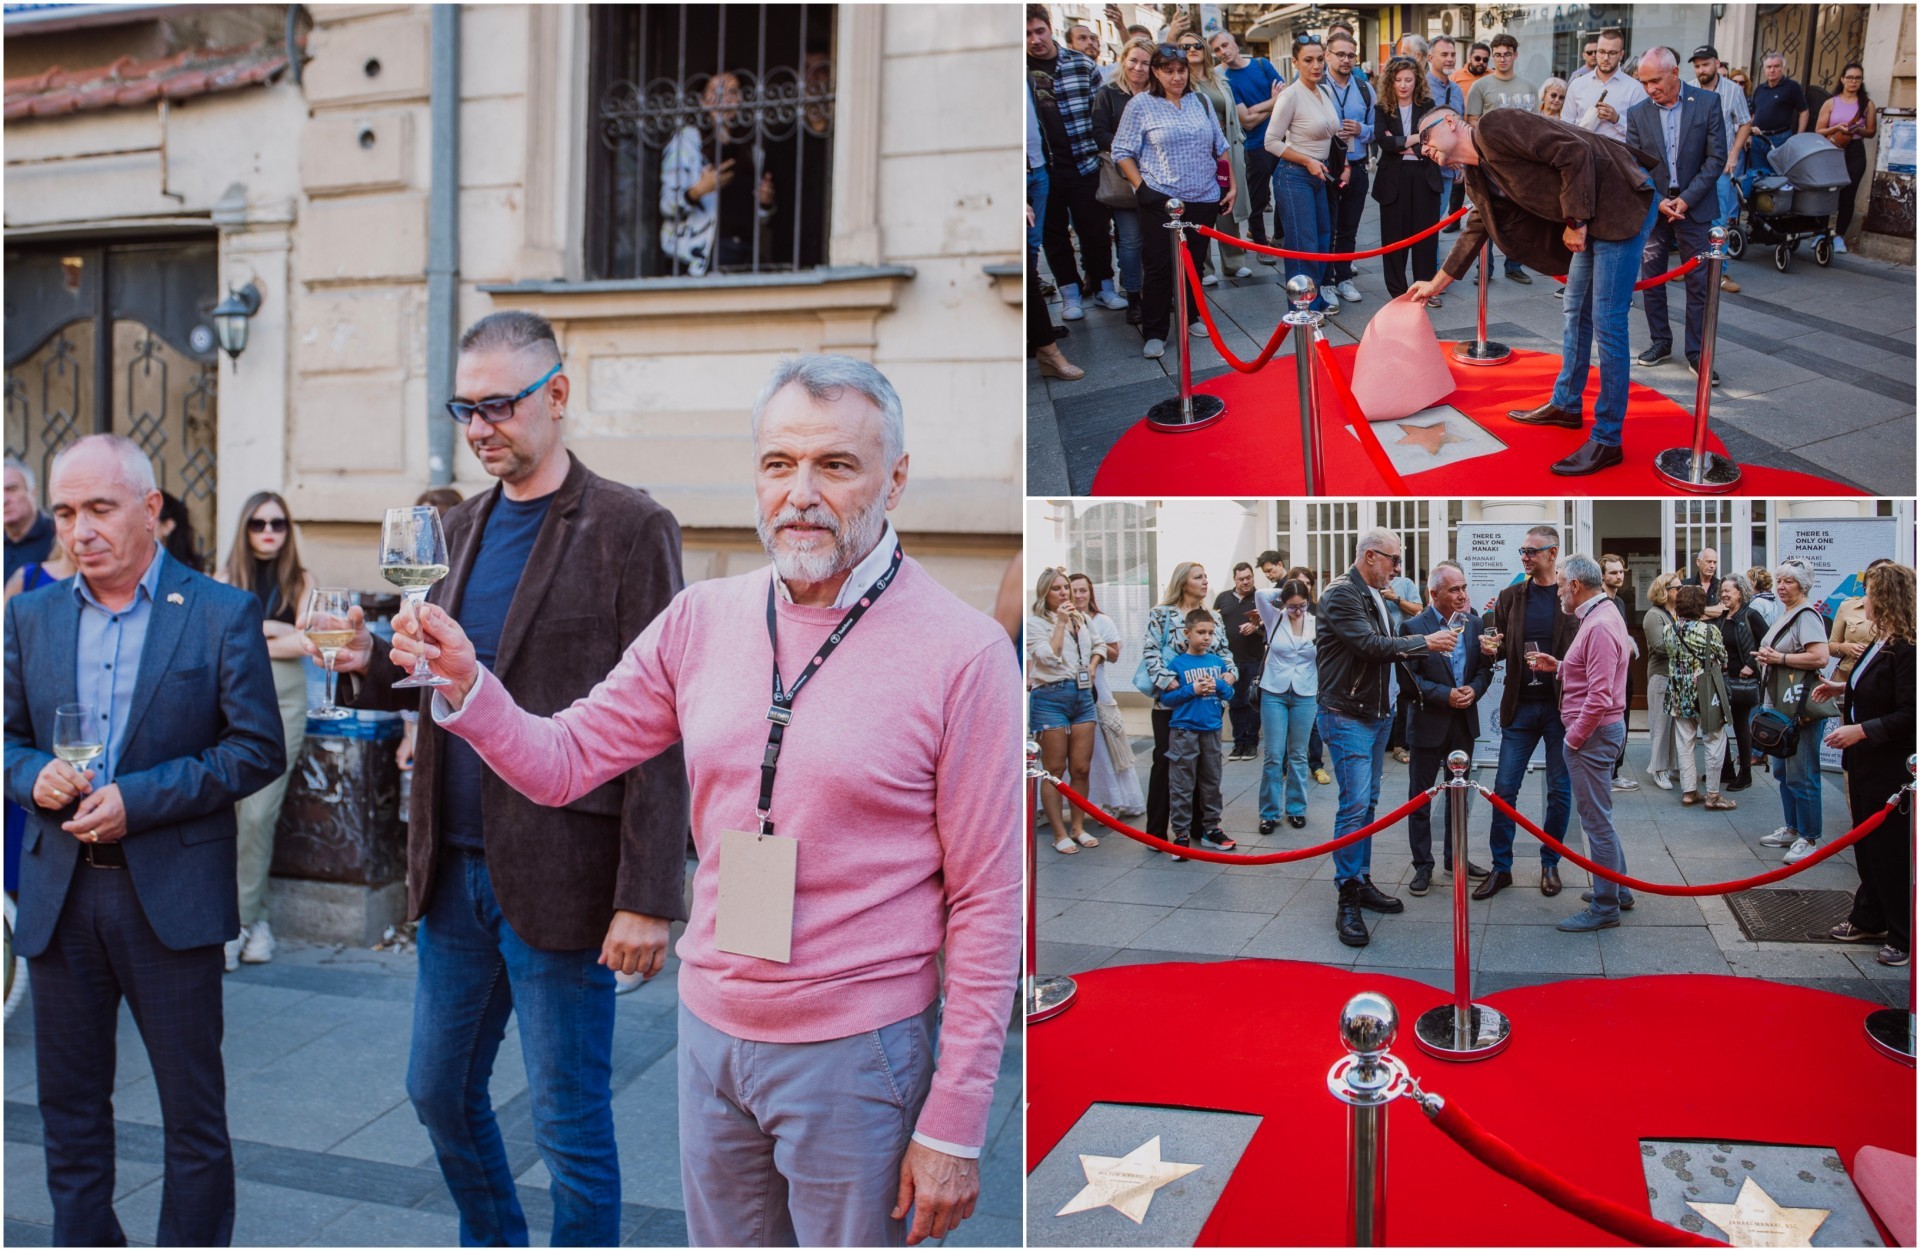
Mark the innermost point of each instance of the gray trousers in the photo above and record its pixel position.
(1590, 775)
(799, 1144)
(1193, 768)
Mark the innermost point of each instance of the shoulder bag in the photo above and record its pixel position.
(1143, 676)
(1114, 190)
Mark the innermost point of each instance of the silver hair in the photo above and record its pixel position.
(1413, 44)
(136, 470)
(1378, 539)
(15, 463)
(1740, 584)
(1437, 40)
(1799, 571)
(1554, 82)
(825, 377)
(1659, 58)
(1772, 56)
(1433, 579)
(1583, 569)
(1549, 531)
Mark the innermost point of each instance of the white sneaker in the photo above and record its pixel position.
(1332, 297)
(1155, 349)
(1211, 280)
(1800, 850)
(1625, 784)
(1071, 309)
(1782, 837)
(1349, 292)
(1198, 329)
(232, 949)
(1110, 299)
(258, 948)
(1662, 779)
(1243, 272)
(1839, 244)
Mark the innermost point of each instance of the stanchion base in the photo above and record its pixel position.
(1891, 1032)
(1048, 997)
(1477, 353)
(1488, 1033)
(1675, 468)
(1167, 414)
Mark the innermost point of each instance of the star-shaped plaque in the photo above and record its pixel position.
(1125, 1183)
(1432, 438)
(1754, 1220)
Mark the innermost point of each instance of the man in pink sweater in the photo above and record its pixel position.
(1593, 706)
(844, 838)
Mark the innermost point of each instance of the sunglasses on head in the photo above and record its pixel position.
(260, 525)
(496, 409)
(1535, 551)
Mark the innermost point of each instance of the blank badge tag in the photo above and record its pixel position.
(756, 896)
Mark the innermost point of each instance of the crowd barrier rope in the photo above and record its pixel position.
(1226, 857)
(1833, 848)
(1369, 441)
(1409, 241)
(1680, 271)
(1259, 362)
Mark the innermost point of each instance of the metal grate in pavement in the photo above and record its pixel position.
(1789, 916)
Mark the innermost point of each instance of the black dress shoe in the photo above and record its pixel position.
(1268, 827)
(1549, 880)
(1474, 871)
(1347, 921)
(1654, 354)
(1298, 823)
(1520, 276)
(1493, 885)
(1589, 457)
(1373, 898)
(1546, 415)
(1422, 879)
(1133, 309)
(1741, 783)
(1693, 364)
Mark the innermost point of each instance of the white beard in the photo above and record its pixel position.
(851, 541)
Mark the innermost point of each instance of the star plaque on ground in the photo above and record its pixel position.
(1135, 1175)
(1755, 1220)
(1756, 1194)
(1432, 437)
(1125, 1183)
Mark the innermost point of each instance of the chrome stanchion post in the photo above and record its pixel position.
(1186, 411)
(1890, 1030)
(1305, 322)
(1367, 1079)
(1695, 469)
(1462, 1029)
(1046, 997)
(1483, 351)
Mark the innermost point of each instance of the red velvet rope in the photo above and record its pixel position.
(1247, 246)
(1616, 1218)
(1846, 840)
(1368, 440)
(1644, 283)
(1226, 857)
(1199, 295)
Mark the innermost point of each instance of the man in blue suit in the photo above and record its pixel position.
(127, 871)
(1683, 124)
(1446, 714)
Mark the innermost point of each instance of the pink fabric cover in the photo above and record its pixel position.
(1400, 368)
(1885, 1180)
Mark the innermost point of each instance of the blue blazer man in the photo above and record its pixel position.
(202, 731)
(1699, 157)
(1437, 728)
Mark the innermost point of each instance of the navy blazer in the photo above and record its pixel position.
(1433, 675)
(1703, 146)
(203, 732)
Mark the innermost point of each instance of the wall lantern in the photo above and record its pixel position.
(230, 318)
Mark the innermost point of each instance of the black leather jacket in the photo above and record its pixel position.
(1354, 650)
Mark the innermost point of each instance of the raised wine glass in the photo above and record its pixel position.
(328, 629)
(76, 735)
(413, 556)
(1533, 649)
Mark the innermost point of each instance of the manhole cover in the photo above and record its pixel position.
(1790, 916)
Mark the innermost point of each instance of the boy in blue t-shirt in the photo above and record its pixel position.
(1193, 739)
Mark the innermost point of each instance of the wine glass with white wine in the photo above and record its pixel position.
(76, 735)
(328, 628)
(413, 556)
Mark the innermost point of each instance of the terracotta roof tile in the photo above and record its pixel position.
(58, 91)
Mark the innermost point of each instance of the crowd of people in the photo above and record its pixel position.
(1375, 669)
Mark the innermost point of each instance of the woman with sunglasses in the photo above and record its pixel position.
(265, 559)
(1169, 146)
(1212, 83)
(1301, 133)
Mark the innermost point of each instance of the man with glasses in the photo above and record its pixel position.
(1347, 201)
(1504, 89)
(523, 909)
(1527, 617)
(1355, 647)
(1478, 57)
(1621, 91)
(1587, 53)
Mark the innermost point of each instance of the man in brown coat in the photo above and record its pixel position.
(1563, 201)
(525, 910)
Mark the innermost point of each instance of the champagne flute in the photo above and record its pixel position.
(76, 735)
(1532, 650)
(327, 628)
(413, 556)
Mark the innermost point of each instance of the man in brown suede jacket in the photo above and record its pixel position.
(1561, 200)
(525, 910)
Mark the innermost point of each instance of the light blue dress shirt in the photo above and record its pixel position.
(1178, 148)
(1670, 129)
(1291, 663)
(1354, 103)
(107, 661)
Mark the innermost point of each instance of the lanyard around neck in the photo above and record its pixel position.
(781, 711)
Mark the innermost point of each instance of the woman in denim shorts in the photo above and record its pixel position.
(1059, 644)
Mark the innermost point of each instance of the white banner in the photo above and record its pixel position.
(1489, 554)
(1838, 549)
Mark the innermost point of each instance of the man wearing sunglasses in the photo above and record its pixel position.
(526, 910)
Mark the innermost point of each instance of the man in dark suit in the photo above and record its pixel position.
(127, 871)
(1706, 575)
(1684, 126)
(1446, 714)
(529, 910)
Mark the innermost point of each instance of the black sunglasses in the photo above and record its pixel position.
(260, 525)
(497, 409)
(1535, 551)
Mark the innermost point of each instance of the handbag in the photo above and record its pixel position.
(1114, 190)
(1774, 732)
(1743, 692)
(1143, 677)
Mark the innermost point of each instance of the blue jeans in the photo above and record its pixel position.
(1037, 197)
(1729, 203)
(1799, 776)
(1758, 145)
(1307, 222)
(1358, 747)
(1598, 303)
(1534, 720)
(474, 972)
(1286, 721)
(1126, 230)
(1590, 773)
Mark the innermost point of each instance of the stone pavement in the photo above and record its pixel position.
(1121, 903)
(329, 1152)
(1817, 365)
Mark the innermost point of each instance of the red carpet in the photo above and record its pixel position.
(1255, 450)
(1596, 1064)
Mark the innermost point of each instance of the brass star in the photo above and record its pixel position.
(1125, 1183)
(1755, 1220)
(1433, 437)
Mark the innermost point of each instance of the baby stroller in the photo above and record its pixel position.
(1794, 203)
